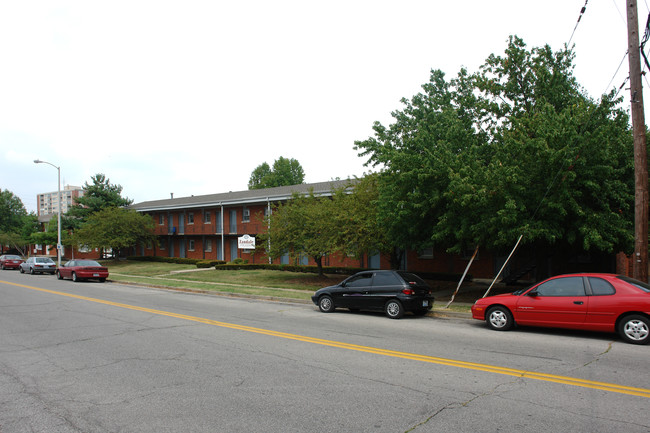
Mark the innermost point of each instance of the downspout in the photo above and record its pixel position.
(223, 242)
(268, 227)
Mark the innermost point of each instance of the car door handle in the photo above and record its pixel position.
(578, 302)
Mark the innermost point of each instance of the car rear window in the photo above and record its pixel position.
(43, 260)
(412, 278)
(636, 283)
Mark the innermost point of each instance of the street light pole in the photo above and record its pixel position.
(58, 216)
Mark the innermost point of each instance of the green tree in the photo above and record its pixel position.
(16, 225)
(99, 195)
(515, 148)
(360, 228)
(12, 212)
(285, 172)
(302, 225)
(115, 228)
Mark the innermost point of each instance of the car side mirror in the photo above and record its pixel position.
(533, 293)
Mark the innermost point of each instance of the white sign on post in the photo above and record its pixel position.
(246, 242)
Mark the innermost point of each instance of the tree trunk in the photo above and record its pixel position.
(319, 265)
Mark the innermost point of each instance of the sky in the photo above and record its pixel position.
(190, 97)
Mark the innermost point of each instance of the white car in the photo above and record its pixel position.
(38, 265)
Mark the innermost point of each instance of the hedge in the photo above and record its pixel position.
(240, 264)
(178, 260)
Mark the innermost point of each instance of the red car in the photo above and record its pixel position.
(596, 302)
(79, 270)
(10, 261)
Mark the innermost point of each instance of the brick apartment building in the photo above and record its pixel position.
(209, 226)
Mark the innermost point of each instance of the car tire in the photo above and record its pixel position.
(499, 318)
(394, 309)
(3, 267)
(31, 271)
(326, 304)
(22, 271)
(635, 329)
(59, 276)
(74, 277)
(421, 312)
(102, 280)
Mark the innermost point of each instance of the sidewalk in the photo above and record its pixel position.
(438, 311)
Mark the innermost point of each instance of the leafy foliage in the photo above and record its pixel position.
(115, 228)
(303, 225)
(99, 195)
(285, 172)
(515, 148)
(12, 212)
(16, 225)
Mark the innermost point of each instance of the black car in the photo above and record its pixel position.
(393, 292)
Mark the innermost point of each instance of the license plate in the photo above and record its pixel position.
(95, 275)
(425, 303)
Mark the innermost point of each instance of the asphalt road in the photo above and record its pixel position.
(92, 357)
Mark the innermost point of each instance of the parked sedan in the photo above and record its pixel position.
(596, 302)
(10, 261)
(38, 265)
(393, 292)
(78, 270)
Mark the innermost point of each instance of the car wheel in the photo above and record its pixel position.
(102, 280)
(635, 329)
(393, 309)
(59, 276)
(3, 267)
(499, 318)
(22, 271)
(326, 304)
(74, 277)
(31, 271)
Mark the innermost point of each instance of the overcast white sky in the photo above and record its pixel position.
(189, 97)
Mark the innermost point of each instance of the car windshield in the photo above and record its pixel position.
(636, 283)
(12, 258)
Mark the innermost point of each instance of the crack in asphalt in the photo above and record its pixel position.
(461, 404)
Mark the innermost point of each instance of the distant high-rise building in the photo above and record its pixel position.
(48, 203)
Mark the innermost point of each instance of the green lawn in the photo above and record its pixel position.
(277, 284)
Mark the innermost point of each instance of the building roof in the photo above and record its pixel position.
(241, 197)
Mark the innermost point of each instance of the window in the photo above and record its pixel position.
(190, 245)
(233, 222)
(161, 219)
(600, 287)
(246, 215)
(569, 286)
(206, 217)
(207, 245)
(385, 279)
(638, 284)
(359, 280)
(190, 218)
(425, 253)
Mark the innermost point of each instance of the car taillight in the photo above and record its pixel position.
(408, 291)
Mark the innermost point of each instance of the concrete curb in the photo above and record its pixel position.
(437, 313)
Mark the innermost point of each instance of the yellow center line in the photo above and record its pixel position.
(604, 386)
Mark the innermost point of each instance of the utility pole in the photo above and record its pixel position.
(640, 270)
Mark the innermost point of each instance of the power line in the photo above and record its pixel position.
(582, 12)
